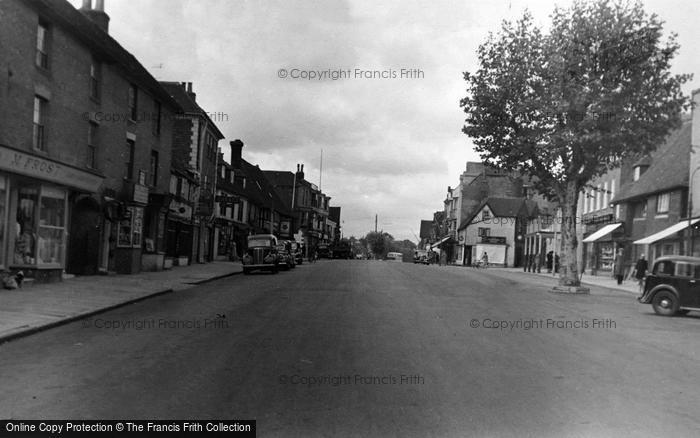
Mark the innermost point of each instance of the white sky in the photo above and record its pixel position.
(390, 146)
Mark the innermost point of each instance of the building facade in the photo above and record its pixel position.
(85, 138)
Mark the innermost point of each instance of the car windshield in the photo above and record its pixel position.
(259, 242)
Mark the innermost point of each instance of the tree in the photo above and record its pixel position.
(380, 243)
(567, 106)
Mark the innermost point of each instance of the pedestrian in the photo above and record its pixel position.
(618, 267)
(550, 259)
(485, 259)
(640, 271)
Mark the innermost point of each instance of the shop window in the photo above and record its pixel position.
(52, 227)
(3, 203)
(130, 228)
(25, 237)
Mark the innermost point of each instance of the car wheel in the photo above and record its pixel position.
(665, 303)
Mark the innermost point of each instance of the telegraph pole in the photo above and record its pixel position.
(375, 223)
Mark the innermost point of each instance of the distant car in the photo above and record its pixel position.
(285, 259)
(261, 254)
(421, 256)
(395, 256)
(323, 251)
(673, 286)
(298, 253)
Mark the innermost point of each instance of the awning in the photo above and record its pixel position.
(600, 233)
(673, 229)
(441, 242)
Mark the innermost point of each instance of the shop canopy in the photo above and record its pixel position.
(441, 242)
(673, 229)
(602, 232)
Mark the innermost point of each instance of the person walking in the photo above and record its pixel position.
(618, 267)
(485, 259)
(640, 271)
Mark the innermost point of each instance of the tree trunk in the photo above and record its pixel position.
(569, 264)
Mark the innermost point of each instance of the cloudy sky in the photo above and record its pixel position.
(391, 145)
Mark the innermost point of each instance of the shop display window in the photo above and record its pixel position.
(130, 228)
(40, 226)
(52, 226)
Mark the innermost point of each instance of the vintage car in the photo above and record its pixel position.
(673, 285)
(261, 254)
(298, 252)
(421, 256)
(285, 258)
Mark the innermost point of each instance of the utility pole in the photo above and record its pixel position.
(375, 223)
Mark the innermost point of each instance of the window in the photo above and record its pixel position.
(637, 173)
(484, 232)
(485, 215)
(154, 169)
(664, 268)
(133, 102)
(39, 134)
(612, 189)
(156, 118)
(640, 209)
(129, 159)
(599, 197)
(130, 228)
(95, 79)
(684, 269)
(91, 146)
(606, 194)
(42, 45)
(662, 201)
(173, 185)
(52, 226)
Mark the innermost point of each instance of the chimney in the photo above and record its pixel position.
(300, 172)
(190, 93)
(236, 152)
(97, 15)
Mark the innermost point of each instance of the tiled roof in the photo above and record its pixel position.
(500, 207)
(104, 47)
(177, 91)
(669, 167)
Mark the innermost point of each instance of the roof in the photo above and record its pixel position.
(103, 46)
(500, 207)
(188, 104)
(426, 228)
(668, 170)
(258, 189)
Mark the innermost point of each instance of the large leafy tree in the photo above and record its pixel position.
(565, 106)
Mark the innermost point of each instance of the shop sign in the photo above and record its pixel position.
(494, 240)
(22, 163)
(180, 209)
(140, 194)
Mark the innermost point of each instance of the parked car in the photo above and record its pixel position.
(673, 285)
(298, 253)
(285, 259)
(394, 256)
(261, 254)
(421, 256)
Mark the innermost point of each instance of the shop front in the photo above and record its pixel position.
(600, 247)
(179, 234)
(35, 212)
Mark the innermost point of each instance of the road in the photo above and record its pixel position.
(370, 348)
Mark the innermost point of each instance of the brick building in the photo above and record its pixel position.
(85, 138)
(191, 228)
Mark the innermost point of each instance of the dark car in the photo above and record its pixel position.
(673, 286)
(421, 256)
(261, 254)
(298, 252)
(285, 258)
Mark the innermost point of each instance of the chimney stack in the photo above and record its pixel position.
(236, 153)
(97, 15)
(300, 171)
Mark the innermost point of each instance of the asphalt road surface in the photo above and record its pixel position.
(370, 348)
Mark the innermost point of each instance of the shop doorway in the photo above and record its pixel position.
(84, 244)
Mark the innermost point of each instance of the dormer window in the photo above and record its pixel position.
(637, 173)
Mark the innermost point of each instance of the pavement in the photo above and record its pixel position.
(41, 306)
